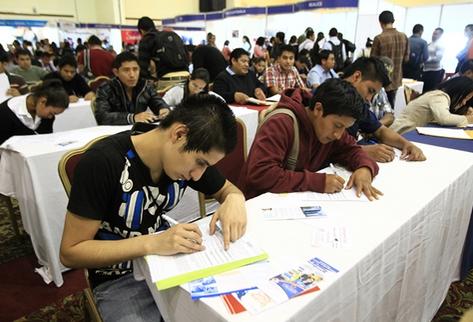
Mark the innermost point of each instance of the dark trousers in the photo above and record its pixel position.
(391, 97)
(432, 79)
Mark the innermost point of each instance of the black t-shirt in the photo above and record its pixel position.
(113, 185)
(76, 86)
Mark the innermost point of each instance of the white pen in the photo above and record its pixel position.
(172, 222)
(331, 167)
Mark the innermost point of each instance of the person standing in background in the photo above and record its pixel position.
(226, 51)
(393, 44)
(418, 54)
(467, 52)
(433, 71)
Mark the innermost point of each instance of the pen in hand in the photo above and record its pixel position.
(172, 222)
(333, 169)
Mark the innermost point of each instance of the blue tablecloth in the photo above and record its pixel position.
(457, 144)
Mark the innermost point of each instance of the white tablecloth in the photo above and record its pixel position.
(29, 172)
(77, 116)
(405, 249)
(400, 102)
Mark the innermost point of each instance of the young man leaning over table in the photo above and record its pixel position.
(368, 76)
(321, 122)
(122, 186)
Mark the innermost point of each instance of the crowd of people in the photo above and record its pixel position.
(333, 107)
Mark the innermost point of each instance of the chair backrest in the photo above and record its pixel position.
(230, 166)
(69, 161)
(410, 94)
(96, 82)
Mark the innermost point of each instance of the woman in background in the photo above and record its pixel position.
(197, 83)
(446, 106)
(246, 44)
(33, 113)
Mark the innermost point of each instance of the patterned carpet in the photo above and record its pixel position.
(72, 307)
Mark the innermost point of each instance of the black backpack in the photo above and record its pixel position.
(170, 51)
(337, 52)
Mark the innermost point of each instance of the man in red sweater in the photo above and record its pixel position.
(322, 140)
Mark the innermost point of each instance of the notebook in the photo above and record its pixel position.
(170, 271)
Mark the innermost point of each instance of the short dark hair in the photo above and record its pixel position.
(284, 48)
(237, 53)
(333, 32)
(201, 73)
(439, 29)
(124, 57)
(417, 28)
(466, 66)
(457, 89)
(386, 17)
(323, 54)
(280, 35)
(371, 68)
(4, 58)
(338, 97)
(260, 41)
(257, 60)
(94, 40)
(53, 91)
(22, 52)
(309, 33)
(210, 123)
(67, 60)
(146, 24)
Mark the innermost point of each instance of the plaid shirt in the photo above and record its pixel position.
(393, 44)
(276, 77)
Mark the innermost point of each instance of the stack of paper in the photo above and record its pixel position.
(446, 133)
(169, 271)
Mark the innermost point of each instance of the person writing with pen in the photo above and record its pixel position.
(123, 186)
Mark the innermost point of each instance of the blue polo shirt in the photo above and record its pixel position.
(367, 124)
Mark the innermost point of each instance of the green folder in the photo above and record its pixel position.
(205, 272)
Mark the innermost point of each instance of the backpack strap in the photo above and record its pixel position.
(291, 161)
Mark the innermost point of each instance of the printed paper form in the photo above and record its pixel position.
(446, 133)
(214, 259)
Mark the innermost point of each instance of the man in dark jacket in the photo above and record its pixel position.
(127, 97)
(322, 139)
(210, 58)
(237, 83)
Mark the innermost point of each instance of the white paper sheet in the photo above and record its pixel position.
(443, 132)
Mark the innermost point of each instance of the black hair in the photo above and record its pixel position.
(323, 54)
(281, 35)
(320, 36)
(53, 91)
(67, 60)
(226, 43)
(4, 58)
(201, 73)
(237, 53)
(209, 121)
(386, 17)
(333, 32)
(248, 41)
(284, 48)
(293, 39)
(369, 42)
(338, 97)
(22, 52)
(124, 57)
(94, 40)
(309, 33)
(457, 89)
(146, 24)
(371, 68)
(257, 60)
(417, 28)
(260, 41)
(466, 66)
(439, 29)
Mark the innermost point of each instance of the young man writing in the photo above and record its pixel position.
(126, 98)
(322, 139)
(123, 185)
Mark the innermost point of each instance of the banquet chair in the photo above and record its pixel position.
(173, 79)
(66, 168)
(230, 166)
(95, 83)
(410, 94)
(11, 214)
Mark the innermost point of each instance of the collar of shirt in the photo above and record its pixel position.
(279, 69)
(18, 106)
(230, 71)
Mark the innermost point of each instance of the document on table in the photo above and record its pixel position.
(274, 98)
(289, 213)
(240, 279)
(446, 133)
(169, 271)
(331, 236)
(255, 101)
